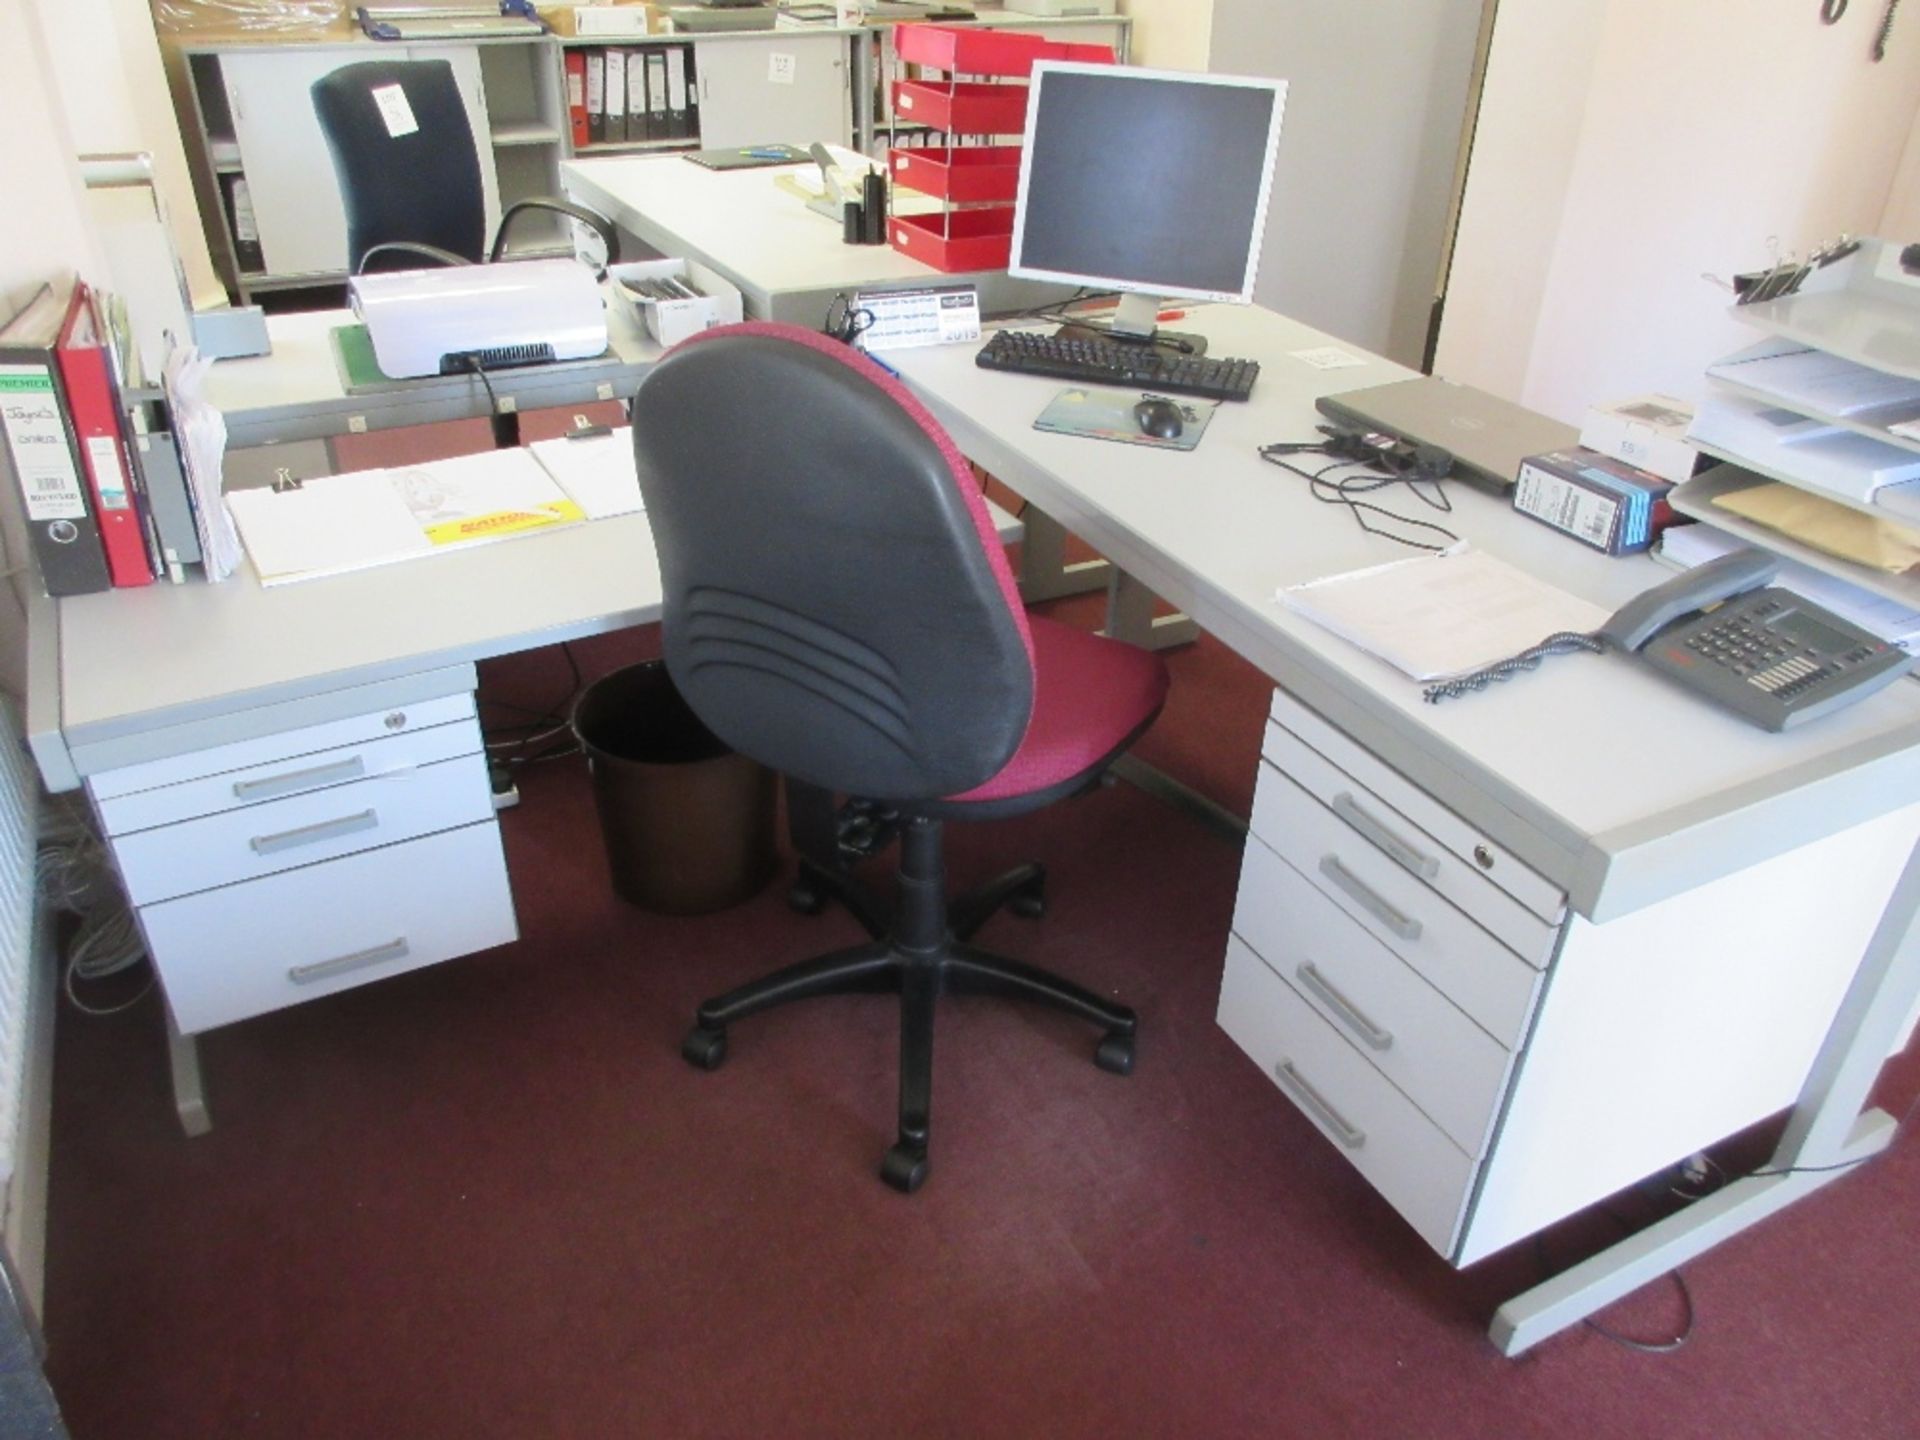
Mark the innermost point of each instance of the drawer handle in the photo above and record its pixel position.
(314, 834)
(1407, 857)
(340, 964)
(1405, 926)
(352, 768)
(1351, 1015)
(1312, 1101)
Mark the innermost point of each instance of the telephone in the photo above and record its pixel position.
(1764, 653)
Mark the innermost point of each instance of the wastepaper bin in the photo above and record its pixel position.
(688, 823)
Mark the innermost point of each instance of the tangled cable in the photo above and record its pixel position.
(1564, 642)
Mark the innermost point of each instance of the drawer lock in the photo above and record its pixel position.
(1315, 1104)
(1349, 1014)
(1483, 857)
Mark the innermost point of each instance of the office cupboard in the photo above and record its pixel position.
(269, 195)
(266, 186)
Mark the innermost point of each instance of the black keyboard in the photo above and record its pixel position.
(1115, 362)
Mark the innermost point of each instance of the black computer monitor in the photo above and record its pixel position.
(1151, 182)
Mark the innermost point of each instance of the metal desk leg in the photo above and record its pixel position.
(1044, 573)
(189, 1096)
(1828, 1129)
(1130, 617)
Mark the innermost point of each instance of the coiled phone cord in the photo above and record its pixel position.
(1564, 642)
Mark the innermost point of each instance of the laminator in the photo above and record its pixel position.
(448, 320)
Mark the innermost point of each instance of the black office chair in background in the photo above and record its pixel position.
(409, 170)
(838, 607)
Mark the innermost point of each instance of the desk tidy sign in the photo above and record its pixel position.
(897, 319)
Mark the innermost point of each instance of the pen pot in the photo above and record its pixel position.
(688, 823)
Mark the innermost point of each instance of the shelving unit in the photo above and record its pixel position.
(265, 181)
(877, 126)
(1865, 310)
(965, 82)
(265, 184)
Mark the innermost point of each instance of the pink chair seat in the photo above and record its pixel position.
(1091, 695)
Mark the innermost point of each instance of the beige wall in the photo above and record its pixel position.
(1376, 94)
(1170, 34)
(1902, 218)
(1626, 148)
(43, 235)
(109, 75)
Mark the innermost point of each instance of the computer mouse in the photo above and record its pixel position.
(1160, 419)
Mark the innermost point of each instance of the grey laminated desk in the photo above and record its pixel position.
(1517, 951)
(1612, 924)
(787, 261)
(286, 407)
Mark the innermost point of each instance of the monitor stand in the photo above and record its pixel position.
(1133, 324)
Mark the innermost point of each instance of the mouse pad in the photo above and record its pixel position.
(1103, 414)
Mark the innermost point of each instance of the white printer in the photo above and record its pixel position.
(515, 312)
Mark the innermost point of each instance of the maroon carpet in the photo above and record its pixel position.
(489, 1199)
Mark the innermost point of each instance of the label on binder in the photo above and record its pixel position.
(395, 110)
(109, 474)
(37, 437)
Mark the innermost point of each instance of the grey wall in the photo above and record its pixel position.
(1376, 93)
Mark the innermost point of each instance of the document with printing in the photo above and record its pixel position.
(1437, 616)
(337, 523)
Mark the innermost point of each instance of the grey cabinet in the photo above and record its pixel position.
(269, 196)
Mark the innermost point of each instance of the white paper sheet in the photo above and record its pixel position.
(338, 523)
(201, 432)
(1437, 616)
(596, 472)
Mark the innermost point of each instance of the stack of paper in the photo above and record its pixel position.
(337, 523)
(1809, 452)
(1689, 545)
(596, 471)
(1807, 379)
(1437, 616)
(201, 432)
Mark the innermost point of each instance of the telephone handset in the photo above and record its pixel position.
(1766, 654)
(1637, 621)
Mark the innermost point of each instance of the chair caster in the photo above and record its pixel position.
(1115, 1054)
(905, 1168)
(704, 1049)
(804, 898)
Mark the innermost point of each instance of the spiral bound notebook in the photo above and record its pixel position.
(1104, 414)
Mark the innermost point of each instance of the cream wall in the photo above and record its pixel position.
(1902, 217)
(43, 235)
(1170, 34)
(109, 74)
(1376, 94)
(1626, 148)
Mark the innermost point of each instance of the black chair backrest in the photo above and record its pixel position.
(404, 152)
(836, 605)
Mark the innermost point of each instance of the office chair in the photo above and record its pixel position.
(838, 607)
(409, 170)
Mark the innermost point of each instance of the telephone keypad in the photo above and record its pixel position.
(1775, 658)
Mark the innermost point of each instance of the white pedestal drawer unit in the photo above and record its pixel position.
(1488, 1059)
(268, 871)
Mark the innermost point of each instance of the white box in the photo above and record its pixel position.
(1062, 9)
(1649, 432)
(671, 321)
(621, 20)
